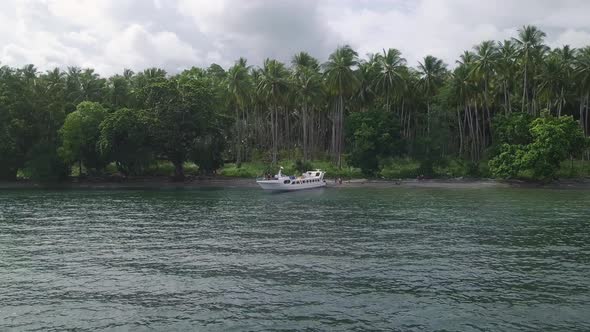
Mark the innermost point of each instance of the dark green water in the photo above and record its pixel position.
(348, 259)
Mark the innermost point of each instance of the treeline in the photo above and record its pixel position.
(54, 121)
(516, 104)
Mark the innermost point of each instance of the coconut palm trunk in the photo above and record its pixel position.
(305, 139)
(524, 89)
(341, 131)
(238, 139)
(460, 127)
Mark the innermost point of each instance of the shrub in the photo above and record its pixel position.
(400, 169)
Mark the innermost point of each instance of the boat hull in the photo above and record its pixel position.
(277, 186)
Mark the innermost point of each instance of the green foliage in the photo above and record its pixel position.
(124, 139)
(512, 129)
(400, 169)
(10, 159)
(185, 117)
(427, 167)
(302, 166)
(574, 169)
(207, 152)
(44, 164)
(18, 130)
(333, 171)
(429, 148)
(165, 168)
(255, 169)
(553, 141)
(359, 113)
(373, 135)
(80, 135)
(455, 168)
(246, 170)
(477, 169)
(407, 168)
(508, 163)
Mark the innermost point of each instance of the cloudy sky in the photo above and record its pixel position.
(110, 35)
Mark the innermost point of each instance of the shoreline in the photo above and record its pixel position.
(229, 182)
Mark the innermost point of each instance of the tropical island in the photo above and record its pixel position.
(512, 109)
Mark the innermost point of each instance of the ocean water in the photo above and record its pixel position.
(329, 259)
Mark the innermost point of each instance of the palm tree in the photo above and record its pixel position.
(55, 79)
(582, 74)
(465, 89)
(274, 86)
(119, 91)
(341, 82)
(466, 58)
(432, 71)
(53, 99)
(367, 76)
(308, 89)
(484, 66)
(154, 73)
(239, 86)
(128, 73)
(305, 60)
(567, 57)
(550, 80)
(29, 72)
(530, 43)
(390, 65)
(457, 89)
(506, 67)
(258, 108)
(84, 85)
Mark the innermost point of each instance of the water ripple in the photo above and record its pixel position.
(241, 259)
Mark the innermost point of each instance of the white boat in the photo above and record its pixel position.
(282, 182)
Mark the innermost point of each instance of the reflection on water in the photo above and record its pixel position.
(243, 259)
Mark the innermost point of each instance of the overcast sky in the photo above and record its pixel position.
(110, 35)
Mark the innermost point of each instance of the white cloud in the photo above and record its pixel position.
(135, 48)
(572, 37)
(446, 28)
(110, 35)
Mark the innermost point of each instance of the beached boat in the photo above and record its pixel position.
(282, 182)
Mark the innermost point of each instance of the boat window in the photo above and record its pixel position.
(317, 174)
(287, 181)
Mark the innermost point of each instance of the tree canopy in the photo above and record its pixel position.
(355, 110)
